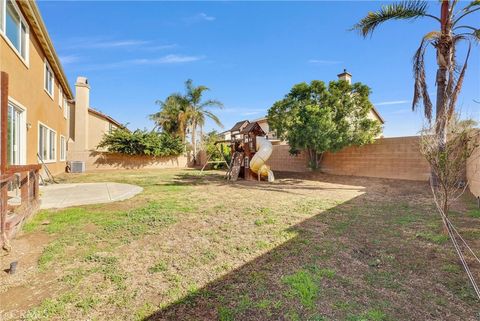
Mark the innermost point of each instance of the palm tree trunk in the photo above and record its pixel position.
(444, 62)
(194, 142)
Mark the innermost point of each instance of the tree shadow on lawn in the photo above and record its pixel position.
(286, 182)
(378, 256)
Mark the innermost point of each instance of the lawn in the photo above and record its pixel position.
(194, 247)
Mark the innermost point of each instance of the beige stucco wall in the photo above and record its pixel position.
(97, 127)
(95, 160)
(26, 86)
(473, 172)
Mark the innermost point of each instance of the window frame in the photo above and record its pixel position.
(46, 66)
(48, 144)
(63, 148)
(23, 129)
(66, 109)
(3, 32)
(60, 97)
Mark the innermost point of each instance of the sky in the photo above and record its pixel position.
(248, 53)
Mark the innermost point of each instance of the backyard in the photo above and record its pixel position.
(195, 247)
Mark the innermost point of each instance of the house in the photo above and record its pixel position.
(89, 125)
(39, 97)
(43, 121)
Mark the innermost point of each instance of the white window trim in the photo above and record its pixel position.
(49, 161)
(26, 60)
(23, 129)
(60, 97)
(66, 109)
(45, 65)
(61, 147)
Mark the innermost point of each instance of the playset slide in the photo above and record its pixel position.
(257, 164)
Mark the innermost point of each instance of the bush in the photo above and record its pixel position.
(142, 142)
(215, 151)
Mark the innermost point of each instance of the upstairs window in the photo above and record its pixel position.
(49, 80)
(14, 27)
(60, 97)
(66, 108)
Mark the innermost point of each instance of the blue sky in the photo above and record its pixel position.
(249, 54)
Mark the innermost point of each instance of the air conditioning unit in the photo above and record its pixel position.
(77, 166)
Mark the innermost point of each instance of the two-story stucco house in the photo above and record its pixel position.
(43, 118)
(38, 95)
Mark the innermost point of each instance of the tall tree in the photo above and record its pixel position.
(450, 74)
(317, 118)
(174, 116)
(199, 111)
(182, 114)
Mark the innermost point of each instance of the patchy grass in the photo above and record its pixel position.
(302, 286)
(194, 247)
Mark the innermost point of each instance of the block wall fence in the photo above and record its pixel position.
(397, 158)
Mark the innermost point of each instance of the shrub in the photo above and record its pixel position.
(142, 142)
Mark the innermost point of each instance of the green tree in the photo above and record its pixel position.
(142, 142)
(450, 75)
(173, 117)
(216, 151)
(317, 118)
(199, 111)
(181, 114)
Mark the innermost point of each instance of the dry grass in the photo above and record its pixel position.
(194, 247)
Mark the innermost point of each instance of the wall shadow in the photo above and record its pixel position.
(378, 262)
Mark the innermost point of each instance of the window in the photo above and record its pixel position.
(46, 143)
(14, 27)
(60, 97)
(110, 128)
(16, 135)
(49, 80)
(63, 148)
(66, 109)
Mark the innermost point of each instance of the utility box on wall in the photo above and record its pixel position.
(77, 167)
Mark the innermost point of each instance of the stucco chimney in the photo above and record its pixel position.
(345, 76)
(82, 103)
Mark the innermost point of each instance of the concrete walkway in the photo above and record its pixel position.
(66, 195)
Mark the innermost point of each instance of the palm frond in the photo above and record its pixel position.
(213, 117)
(458, 86)
(403, 10)
(420, 92)
(212, 103)
(475, 3)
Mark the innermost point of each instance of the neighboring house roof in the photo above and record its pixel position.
(375, 111)
(251, 127)
(238, 126)
(106, 117)
(33, 16)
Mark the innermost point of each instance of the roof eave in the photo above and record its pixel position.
(33, 14)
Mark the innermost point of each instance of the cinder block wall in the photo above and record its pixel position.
(281, 160)
(397, 158)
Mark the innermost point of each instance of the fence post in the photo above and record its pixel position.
(3, 158)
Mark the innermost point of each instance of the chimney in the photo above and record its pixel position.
(345, 76)
(82, 103)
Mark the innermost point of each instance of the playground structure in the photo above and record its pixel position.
(250, 150)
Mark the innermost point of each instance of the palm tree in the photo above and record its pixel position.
(198, 111)
(174, 115)
(181, 114)
(450, 75)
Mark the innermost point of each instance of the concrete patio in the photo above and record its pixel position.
(66, 195)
